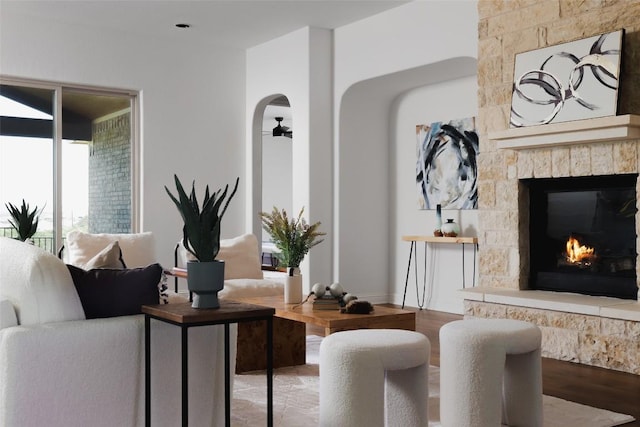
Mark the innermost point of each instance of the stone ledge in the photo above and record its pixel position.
(613, 308)
(602, 129)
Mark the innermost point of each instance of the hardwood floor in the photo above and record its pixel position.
(598, 387)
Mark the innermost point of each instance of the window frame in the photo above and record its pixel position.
(57, 88)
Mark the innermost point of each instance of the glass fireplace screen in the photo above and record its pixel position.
(583, 235)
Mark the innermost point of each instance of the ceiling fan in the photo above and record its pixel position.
(280, 130)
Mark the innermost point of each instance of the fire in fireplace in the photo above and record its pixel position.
(582, 235)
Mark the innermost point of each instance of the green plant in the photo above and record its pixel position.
(294, 237)
(24, 221)
(201, 231)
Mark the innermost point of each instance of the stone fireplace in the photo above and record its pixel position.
(596, 330)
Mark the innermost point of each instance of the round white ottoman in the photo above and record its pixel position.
(490, 373)
(369, 375)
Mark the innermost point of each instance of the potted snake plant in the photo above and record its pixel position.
(23, 220)
(201, 237)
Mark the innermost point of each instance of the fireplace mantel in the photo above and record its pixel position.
(602, 129)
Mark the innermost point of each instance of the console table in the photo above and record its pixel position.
(184, 316)
(414, 239)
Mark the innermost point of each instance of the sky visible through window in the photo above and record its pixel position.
(26, 171)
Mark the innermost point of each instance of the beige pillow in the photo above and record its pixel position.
(241, 257)
(109, 257)
(138, 249)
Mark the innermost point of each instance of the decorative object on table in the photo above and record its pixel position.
(450, 228)
(326, 302)
(293, 286)
(569, 81)
(24, 220)
(357, 307)
(329, 297)
(447, 168)
(201, 237)
(293, 237)
(438, 230)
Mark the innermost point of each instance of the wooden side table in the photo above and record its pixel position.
(184, 316)
(434, 239)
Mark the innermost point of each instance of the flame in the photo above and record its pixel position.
(577, 252)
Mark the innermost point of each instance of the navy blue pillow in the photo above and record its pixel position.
(107, 292)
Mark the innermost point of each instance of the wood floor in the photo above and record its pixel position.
(601, 388)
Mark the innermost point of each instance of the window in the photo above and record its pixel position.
(72, 152)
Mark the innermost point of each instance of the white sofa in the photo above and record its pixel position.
(59, 369)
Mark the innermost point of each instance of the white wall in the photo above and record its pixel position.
(377, 61)
(303, 75)
(192, 105)
(276, 173)
(277, 162)
(444, 262)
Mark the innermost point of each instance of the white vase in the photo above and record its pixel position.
(450, 228)
(293, 286)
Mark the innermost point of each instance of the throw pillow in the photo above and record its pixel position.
(109, 257)
(137, 248)
(111, 293)
(241, 257)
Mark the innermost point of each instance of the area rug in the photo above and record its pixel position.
(296, 401)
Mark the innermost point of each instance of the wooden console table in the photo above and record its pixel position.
(414, 239)
(184, 316)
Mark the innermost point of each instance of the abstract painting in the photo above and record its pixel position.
(570, 81)
(447, 166)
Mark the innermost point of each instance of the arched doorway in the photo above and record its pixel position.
(276, 160)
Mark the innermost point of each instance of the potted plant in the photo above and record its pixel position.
(201, 237)
(23, 220)
(293, 237)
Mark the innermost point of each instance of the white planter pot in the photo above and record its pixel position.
(293, 286)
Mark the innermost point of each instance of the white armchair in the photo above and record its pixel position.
(59, 369)
(243, 270)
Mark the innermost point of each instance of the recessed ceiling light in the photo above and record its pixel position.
(183, 25)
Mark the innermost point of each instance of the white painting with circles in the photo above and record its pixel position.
(570, 81)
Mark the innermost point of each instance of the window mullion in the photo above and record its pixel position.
(57, 167)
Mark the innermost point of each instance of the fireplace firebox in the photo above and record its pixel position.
(582, 234)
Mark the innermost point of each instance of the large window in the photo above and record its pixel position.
(72, 153)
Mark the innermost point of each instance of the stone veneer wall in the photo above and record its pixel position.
(110, 176)
(507, 27)
(592, 340)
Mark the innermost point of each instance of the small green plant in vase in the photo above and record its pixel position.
(201, 237)
(294, 238)
(24, 220)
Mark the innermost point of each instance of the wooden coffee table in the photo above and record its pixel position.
(289, 330)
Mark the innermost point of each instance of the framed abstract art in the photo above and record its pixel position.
(570, 81)
(447, 164)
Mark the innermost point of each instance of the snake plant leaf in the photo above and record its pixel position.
(23, 220)
(201, 230)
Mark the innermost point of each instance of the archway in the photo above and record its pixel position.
(273, 174)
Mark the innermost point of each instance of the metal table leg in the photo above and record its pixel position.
(185, 377)
(147, 371)
(227, 378)
(406, 280)
(270, 372)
